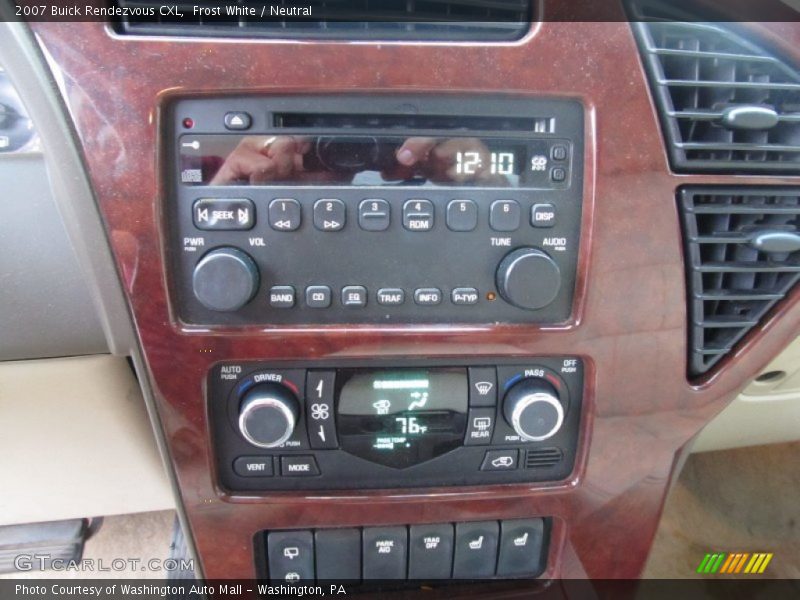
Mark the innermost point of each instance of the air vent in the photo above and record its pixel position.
(542, 458)
(743, 256)
(727, 105)
(482, 20)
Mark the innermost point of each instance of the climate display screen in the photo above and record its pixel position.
(402, 417)
(286, 160)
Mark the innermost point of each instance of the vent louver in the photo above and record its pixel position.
(542, 458)
(727, 105)
(743, 256)
(484, 20)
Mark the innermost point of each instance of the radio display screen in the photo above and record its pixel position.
(402, 417)
(362, 160)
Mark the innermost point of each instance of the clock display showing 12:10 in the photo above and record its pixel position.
(500, 163)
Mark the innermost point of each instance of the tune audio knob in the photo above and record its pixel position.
(267, 415)
(528, 278)
(225, 279)
(533, 408)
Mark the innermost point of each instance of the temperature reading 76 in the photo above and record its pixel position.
(410, 425)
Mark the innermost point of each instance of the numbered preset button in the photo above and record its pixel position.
(505, 215)
(284, 214)
(418, 215)
(462, 215)
(329, 214)
(374, 214)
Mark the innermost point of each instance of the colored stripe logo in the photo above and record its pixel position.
(733, 563)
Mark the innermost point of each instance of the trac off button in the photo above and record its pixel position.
(543, 215)
(464, 296)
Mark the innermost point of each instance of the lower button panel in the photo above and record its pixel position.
(480, 550)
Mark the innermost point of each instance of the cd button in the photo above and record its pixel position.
(480, 424)
(284, 214)
(390, 296)
(318, 296)
(418, 215)
(374, 214)
(504, 215)
(462, 215)
(329, 214)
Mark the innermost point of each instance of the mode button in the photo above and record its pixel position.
(299, 466)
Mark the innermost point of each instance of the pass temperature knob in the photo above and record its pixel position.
(268, 414)
(533, 408)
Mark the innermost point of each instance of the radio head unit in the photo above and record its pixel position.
(352, 209)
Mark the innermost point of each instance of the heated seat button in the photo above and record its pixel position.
(223, 214)
(374, 214)
(476, 550)
(299, 466)
(338, 554)
(505, 215)
(253, 466)
(418, 215)
(284, 214)
(480, 425)
(500, 460)
(385, 551)
(521, 543)
(462, 215)
(291, 556)
(430, 551)
(329, 214)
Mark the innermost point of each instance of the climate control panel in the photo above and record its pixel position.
(307, 210)
(404, 424)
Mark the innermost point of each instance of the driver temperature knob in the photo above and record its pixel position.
(533, 408)
(268, 414)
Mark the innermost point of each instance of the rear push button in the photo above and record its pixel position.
(291, 556)
(521, 548)
(385, 552)
(480, 425)
(430, 551)
(476, 550)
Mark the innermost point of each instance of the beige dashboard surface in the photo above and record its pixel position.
(76, 441)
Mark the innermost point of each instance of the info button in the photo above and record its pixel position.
(299, 466)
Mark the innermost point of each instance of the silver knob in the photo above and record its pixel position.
(532, 407)
(268, 415)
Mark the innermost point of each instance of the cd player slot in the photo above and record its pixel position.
(312, 120)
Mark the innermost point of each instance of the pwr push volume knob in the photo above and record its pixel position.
(528, 278)
(225, 279)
